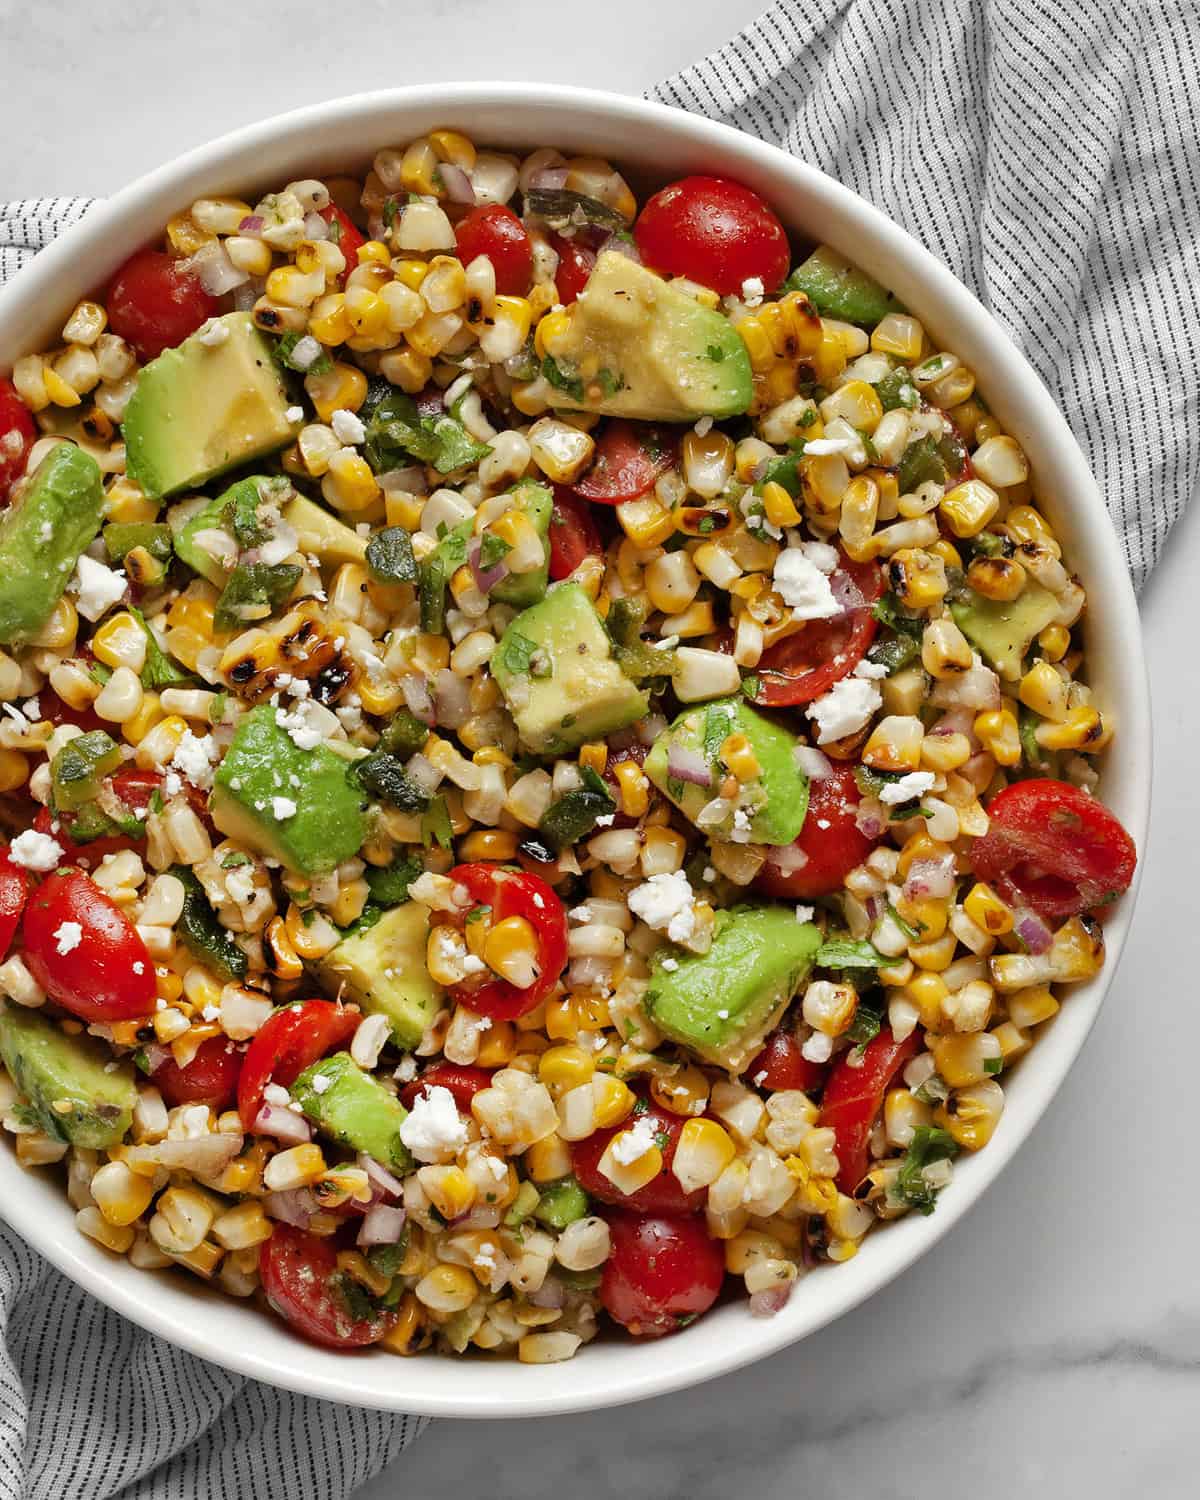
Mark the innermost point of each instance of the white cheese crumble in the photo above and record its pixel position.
(67, 936)
(804, 914)
(282, 808)
(914, 784)
(96, 587)
(670, 965)
(320, 1082)
(213, 334)
(818, 1048)
(666, 903)
(194, 756)
(631, 1145)
(346, 427)
(35, 851)
(294, 414)
(819, 446)
(821, 555)
(844, 709)
(299, 725)
(871, 670)
(752, 291)
(801, 584)
(406, 1070)
(433, 1128)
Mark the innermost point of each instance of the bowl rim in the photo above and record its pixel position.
(600, 1377)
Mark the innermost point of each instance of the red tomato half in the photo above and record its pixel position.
(154, 303)
(514, 894)
(88, 856)
(663, 1194)
(1052, 847)
(662, 1272)
(575, 262)
(52, 707)
(830, 842)
(854, 1096)
(714, 231)
(210, 1078)
(495, 231)
(105, 974)
(290, 1040)
(629, 458)
(573, 533)
(463, 1082)
(14, 887)
(345, 234)
(302, 1282)
(782, 1065)
(17, 434)
(803, 666)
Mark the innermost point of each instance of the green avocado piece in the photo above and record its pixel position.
(638, 347)
(523, 589)
(382, 969)
(48, 1066)
(838, 289)
(777, 803)
(53, 518)
(351, 1108)
(262, 766)
(242, 500)
(1003, 630)
(203, 408)
(321, 535)
(721, 1004)
(561, 1203)
(555, 667)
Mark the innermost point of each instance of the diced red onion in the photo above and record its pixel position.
(457, 183)
(787, 859)
(424, 773)
(482, 1216)
(686, 764)
(1033, 931)
(870, 818)
(813, 762)
(315, 226)
(383, 1224)
(294, 1206)
(410, 480)
(216, 271)
(379, 1176)
(416, 696)
(486, 579)
(156, 1055)
(283, 1124)
(846, 591)
(759, 472)
(252, 226)
(876, 906)
(551, 1294)
(955, 721)
(773, 1300)
(549, 179)
(450, 696)
(930, 878)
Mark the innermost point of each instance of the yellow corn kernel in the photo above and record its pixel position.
(366, 312)
(968, 507)
(738, 755)
(1032, 1006)
(349, 484)
(987, 910)
(60, 629)
(594, 756)
(407, 368)
(447, 1289)
(328, 322)
(14, 770)
(517, 311)
(971, 1114)
(1013, 1041)
(343, 387)
(999, 578)
(1054, 642)
(684, 1092)
(965, 1059)
(57, 389)
(121, 1195)
(1045, 691)
(511, 949)
(548, 1159)
(454, 147)
(497, 844)
(407, 1334)
(497, 1046)
(564, 1068)
(449, 1189)
(895, 743)
(613, 1100)
(945, 752)
(779, 505)
(702, 1153)
(120, 642)
(1083, 729)
(646, 522)
(374, 253)
(996, 730)
(418, 168)
(629, 1176)
(898, 334)
(918, 578)
(550, 332)
(410, 272)
(927, 990)
(634, 788)
(829, 359)
(857, 403)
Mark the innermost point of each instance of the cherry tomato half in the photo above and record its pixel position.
(14, 887)
(290, 1040)
(830, 841)
(87, 856)
(100, 973)
(1052, 847)
(575, 262)
(661, 1273)
(662, 1194)
(54, 709)
(806, 665)
(573, 533)
(345, 234)
(210, 1078)
(514, 894)
(495, 231)
(462, 1081)
(854, 1096)
(302, 1283)
(17, 435)
(782, 1065)
(713, 231)
(629, 458)
(154, 303)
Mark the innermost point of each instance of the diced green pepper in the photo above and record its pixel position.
(203, 934)
(561, 1203)
(80, 766)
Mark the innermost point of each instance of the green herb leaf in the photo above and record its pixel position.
(158, 669)
(285, 347)
(865, 1026)
(390, 556)
(929, 1145)
(235, 861)
(492, 549)
(435, 824)
(518, 653)
(844, 952)
(202, 933)
(389, 884)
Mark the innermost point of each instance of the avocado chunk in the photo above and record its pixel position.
(561, 1203)
(775, 804)
(523, 589)
(353, 1109)
(838, 289)
(42, 533)
(211, 537)
(636, 346)
(382, 969)
(293, 805)
(555, 667)
(205, 407)
(321, 535)
(721, 1004)
(50, 1067)
(1003, 630)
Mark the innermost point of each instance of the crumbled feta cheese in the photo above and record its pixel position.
(818, 1048)
(828, 445)
(666, 902)
(433, 1128)
(138, 966)
(213, 333)
(211, 1012)
(194, 756)
(670, 965)
(605, 820)
(801, 584)
(844, 709)
(15, 714)
(172, 783)
(580, 913)
(294, 414)
(305, 352)
(45, 531)
(282, 808)
(821, 555)
(871, 670)
(406, 1070)
(915, 784)
(752, 291)
(804, 914)
(96, 587)
(299, 725)
(346, 427)
(703, 427)
(631, 1145)
(472, 965)
(35, 851)
(320, 1082)
(369, 1040)
(281, 546)
(68, 936)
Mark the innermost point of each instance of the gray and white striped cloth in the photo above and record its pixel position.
(1041, 148)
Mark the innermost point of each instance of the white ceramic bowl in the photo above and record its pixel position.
(654, 144)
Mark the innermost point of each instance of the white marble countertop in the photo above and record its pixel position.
(1052, 1344)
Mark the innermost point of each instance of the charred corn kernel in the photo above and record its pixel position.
(328, 322)
(646, 522)
(996, 729)
(564, 1068)
(965, 1058)
(454, 147)
(971, 1114)
(550, 332)
(779, 506)
(945, 651)
(895, 744)
(288, 286)
(366, 312)
(633, 787)
(547, 1160)
(987, 910)
(927, 915)
(945, 752)
(1032, 1006)
(447, 1289)
(418, 168)
(349, 483)
(511, 949)
(1054, 642)
(342, 387)
(613, 1100)
(1045, 691)
(1024, 524)
(449, 1189)
(1078, 950)
(684, 1092)
(999, 578)
(952, 389)
(918, 578)
(1082, 729)
(898, 334)
(968, 507)
(354, 1264)
(1000, 462)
